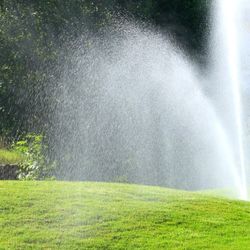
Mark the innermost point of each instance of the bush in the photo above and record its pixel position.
(35, 165)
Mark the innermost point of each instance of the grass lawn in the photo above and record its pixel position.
(74, 215)
(9, 157)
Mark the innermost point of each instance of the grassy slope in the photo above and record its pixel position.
(9, 157)
(63, 215)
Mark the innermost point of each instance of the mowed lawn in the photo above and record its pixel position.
(75, 215)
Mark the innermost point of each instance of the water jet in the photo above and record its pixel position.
(227, 44)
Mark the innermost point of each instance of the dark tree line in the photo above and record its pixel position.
(33, 34)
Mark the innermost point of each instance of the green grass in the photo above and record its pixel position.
(9, 157)
(74, 215)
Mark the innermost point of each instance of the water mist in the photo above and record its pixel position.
(133, 108)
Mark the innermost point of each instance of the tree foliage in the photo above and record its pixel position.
(34, 32)
(36, 36)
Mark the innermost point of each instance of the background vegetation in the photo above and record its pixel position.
(34, 35)
(37, 35)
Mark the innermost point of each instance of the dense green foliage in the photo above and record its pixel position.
(34, 165)
(35, 34)
(63, 215)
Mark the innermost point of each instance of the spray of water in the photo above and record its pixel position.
(132, 108)
(227, 51)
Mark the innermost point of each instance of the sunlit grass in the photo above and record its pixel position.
(73, 215)
(9, 157)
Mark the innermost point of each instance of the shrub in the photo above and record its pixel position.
(35, 165)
